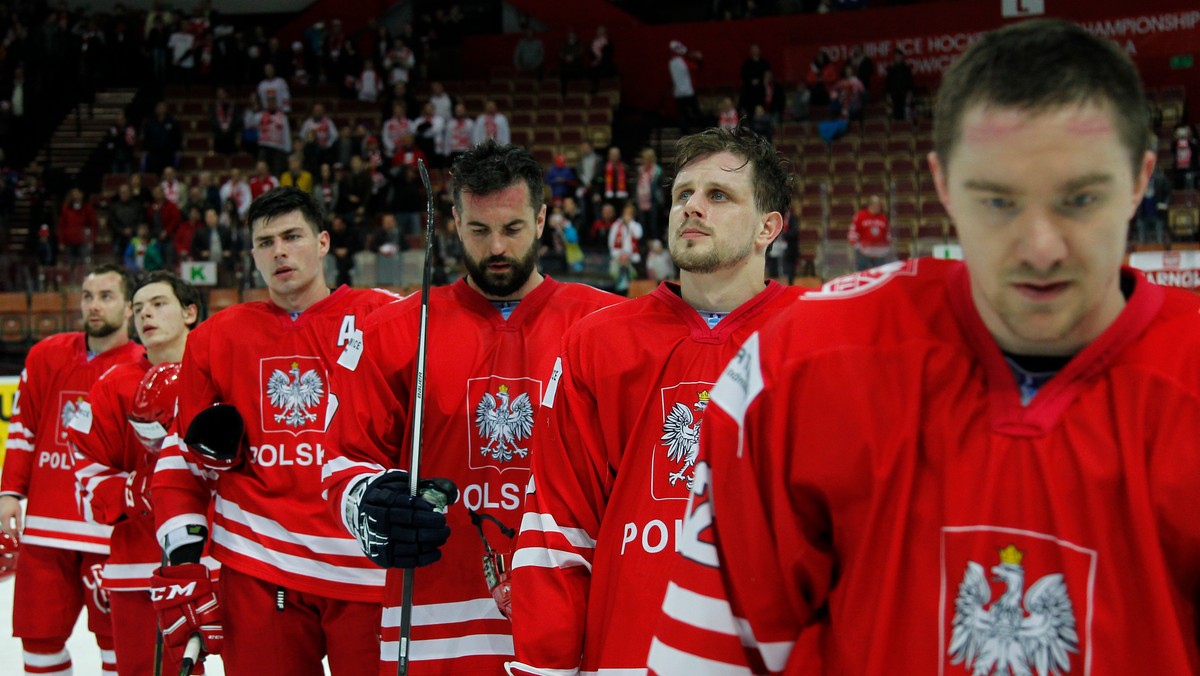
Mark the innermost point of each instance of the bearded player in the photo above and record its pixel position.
(117, 442)
(617, 440)
(979, 467)
(492, 339)
(61, 554)
(294, 585)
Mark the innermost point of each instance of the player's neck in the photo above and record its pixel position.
(167, 354)
(723, 290)
(301, 299)
(535, 278)
(104, 344)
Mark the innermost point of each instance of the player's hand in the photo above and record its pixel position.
(395, 529)
(93, 580)
(215, 437)
(185, 603)
(10, 516)
(9, 549)
(137, 492)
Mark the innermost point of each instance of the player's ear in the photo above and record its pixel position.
(541, 221)
(768, 229)
(940, 181)
(190, 314)
(323, 242)
(1141, 180)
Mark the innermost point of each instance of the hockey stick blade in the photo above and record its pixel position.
(418, 417)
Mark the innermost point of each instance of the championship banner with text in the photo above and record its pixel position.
(1169, 268)
(8, 392)
(1163, 34)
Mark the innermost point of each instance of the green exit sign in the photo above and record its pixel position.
(1181, 61)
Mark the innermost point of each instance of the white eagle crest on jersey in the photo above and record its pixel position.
(681, 436)
(504, 422)
(1006, 638)
(294, 393)
(69, 411)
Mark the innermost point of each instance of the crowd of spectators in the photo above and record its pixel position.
(160, 214)
(361, 169)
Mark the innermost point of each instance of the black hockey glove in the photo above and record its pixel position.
(395, 529)
(215, 434)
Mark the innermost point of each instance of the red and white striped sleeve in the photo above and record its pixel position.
(368, 428)
(22, 429)
(181, 489)
(749, 578)
(564, 505)
(98, 438)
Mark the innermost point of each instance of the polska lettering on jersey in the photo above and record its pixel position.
(283, 455)
(492, 496)
(55, 460)
(653, 537)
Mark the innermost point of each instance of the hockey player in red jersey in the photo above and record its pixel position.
(294, 585)
(116, 445)
(492, 340)
(616, 439)
(61, 554)
(984, 467)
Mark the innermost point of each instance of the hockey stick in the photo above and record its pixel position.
(418, 417)
(158, 637)
(191, 654)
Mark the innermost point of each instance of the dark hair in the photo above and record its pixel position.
(126, 280)
(490, 167)
(285, 200)
(184, 292)
(772, 178)
(1038, 65)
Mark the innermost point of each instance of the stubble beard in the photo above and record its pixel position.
(686, 256)
(104, 330)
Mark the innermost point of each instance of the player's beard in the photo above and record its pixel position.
(502, 284)
(719, 256)
(103, 330)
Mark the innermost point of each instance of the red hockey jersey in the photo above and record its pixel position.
(480, 367)
(37, 464)
(615, 452)
(879, 501)
(268, 517)
(106, 450)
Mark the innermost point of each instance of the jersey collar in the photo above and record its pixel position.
(1042, 413)
(332, 300)
(670, 294)
(474, 301)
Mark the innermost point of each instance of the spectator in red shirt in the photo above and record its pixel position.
(262, 180)
(407, 153)
(77, 225)
(598, 235)
(186, 231)
(847, 95)
(164, 219)
(871, 236)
